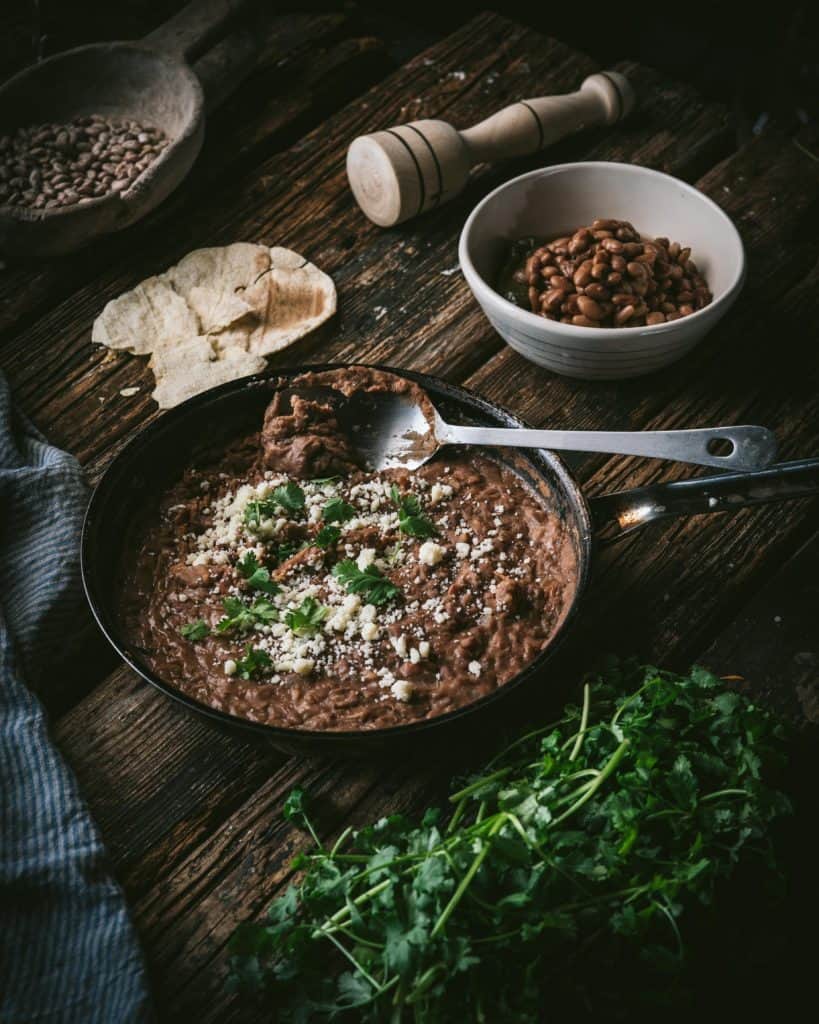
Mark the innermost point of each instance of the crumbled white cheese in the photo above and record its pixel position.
(368, 613)
(230, 667)
(304, 666)
(423, 648)
(365, 557)
(462, 549)
(475, 668)
(415, 656)
(400, 645)
(369, 631)
(402, 690)
(430, 553)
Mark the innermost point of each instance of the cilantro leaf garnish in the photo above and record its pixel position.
(411, 520)
(289, 497)
(253, 662)
(306, 619)
(337, 511)
(256, 575)
(326, 536)
(242, 617)
(196, 630)
(370, 582)
(287, 549)
(256, 511)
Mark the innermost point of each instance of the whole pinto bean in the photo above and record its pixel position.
(601, 275)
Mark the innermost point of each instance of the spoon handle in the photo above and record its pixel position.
(743, 448)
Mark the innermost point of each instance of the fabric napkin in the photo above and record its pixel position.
(68, 950)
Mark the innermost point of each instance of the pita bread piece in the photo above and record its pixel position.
(193, 365)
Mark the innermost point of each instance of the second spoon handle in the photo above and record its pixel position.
(743, 448)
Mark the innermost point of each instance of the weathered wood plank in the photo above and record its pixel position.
(772, 645)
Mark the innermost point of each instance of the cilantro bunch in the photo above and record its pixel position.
(592, 832)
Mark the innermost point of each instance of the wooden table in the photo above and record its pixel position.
(192, 815)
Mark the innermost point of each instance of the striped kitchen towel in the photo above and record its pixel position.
(68, 950)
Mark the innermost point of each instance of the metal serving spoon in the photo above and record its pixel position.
(390, 430)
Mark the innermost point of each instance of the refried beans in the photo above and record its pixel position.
(282, 583)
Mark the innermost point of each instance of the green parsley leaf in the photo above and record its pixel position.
(253, 662)
(370, 582)
(411, 519)
(256, 511)
(242, 617)
(290, 496)
(256, 575)
(295, 804)
(337, 511)
(326, 536)
(287, 549)
(307, 618)
(196, 630)
(319, 480)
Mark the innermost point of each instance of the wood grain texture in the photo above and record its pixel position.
(192, 814)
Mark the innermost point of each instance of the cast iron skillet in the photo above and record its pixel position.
(159, 454)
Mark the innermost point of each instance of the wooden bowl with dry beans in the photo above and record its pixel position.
(601, 270)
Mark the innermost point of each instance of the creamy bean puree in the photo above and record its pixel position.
(280, 582)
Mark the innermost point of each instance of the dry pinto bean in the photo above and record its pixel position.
(56, 162)
(602, 275)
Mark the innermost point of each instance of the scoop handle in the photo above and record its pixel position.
(745, 447)
(188, 34)
(530, 125)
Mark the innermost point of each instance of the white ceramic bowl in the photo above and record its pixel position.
(555, 201)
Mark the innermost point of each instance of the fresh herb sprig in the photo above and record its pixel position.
(253, 662)
(307, 618)
(337, 510)
(256, 575)
(241, 617)
(370, 583)
(594, 831)
(195, 631)
(327, 536)
(289, 497)
(411, 520)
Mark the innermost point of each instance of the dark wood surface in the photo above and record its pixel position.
(192, 814)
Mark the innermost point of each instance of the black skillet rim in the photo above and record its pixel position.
(105, 619)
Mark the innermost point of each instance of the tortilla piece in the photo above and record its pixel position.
(215, 315)
(213, 282)
(291, 300)
(143, 318)
(197, 364)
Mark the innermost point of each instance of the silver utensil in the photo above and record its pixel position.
(390, 430)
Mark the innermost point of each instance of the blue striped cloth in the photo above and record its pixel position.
(68, 950)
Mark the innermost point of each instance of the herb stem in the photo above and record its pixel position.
(584, 719)
(470, 874)
(610, 766)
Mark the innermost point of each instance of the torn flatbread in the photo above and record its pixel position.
(215, 316)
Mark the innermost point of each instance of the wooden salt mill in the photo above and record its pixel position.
(400, 172)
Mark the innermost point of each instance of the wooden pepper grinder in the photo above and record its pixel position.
(401, 172)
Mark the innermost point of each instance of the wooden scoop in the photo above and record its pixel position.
(149, 81)
(401, 172)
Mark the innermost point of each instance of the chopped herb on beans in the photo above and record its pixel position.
(307, 618)
(253, 662)
(196, 630)
(337, 511)
(369, 582)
